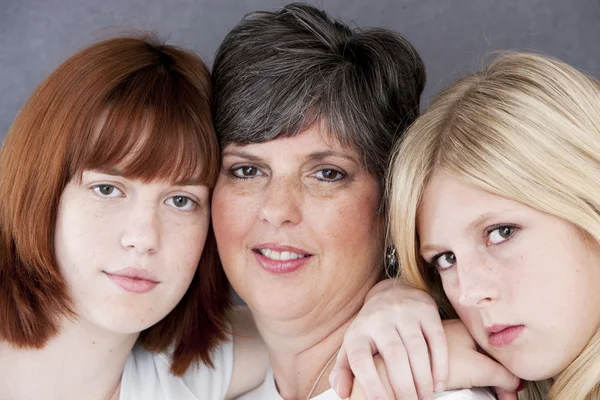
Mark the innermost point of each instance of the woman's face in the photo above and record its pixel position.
(525, 283)
(128, 249)
(297, 226)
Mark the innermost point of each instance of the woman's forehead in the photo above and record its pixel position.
(314, 142)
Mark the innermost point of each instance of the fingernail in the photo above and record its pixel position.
(439, 387)
(333, 381)
(336, 385)
(521, 386)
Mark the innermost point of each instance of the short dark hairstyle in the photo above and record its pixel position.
(278, 73)
(128, 81)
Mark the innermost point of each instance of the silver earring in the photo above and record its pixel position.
(391, 259)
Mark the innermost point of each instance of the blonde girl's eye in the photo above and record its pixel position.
(500, 234)
(183, 203)
(444, 261)
(107, 191)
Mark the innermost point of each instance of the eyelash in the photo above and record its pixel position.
(194, 203)
(234, 175)
(341, 175)
(433, 261)
(232, 172)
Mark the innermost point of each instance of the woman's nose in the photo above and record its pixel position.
(141, 231)
(281, 203)
(478, 284)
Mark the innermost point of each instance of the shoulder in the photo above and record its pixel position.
(251, 360)
(147, 376)
(267, 390)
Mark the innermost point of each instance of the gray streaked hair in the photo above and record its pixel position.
(276, 74)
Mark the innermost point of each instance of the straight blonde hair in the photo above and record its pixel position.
(526, 128)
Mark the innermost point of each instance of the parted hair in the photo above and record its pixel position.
(276, 74)
(155, 103)
(526, 128)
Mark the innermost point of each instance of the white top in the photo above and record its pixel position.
(268, 391)
(147, 377)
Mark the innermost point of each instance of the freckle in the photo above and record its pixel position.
(93, 342)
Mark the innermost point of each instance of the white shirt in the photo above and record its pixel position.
(268, 391)
(147, 377)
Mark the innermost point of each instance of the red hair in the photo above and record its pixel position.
(154, 103)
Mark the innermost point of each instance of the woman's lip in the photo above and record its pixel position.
(132, 285)
(135, 273)
(280, 248)
(279, 266)
(133, 280)
(504, 335)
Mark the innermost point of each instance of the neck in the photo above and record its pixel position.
(81, 362)
(300, 349)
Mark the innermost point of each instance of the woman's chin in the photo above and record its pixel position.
(533, 368)
(280, 308)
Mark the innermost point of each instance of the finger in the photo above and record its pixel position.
(359, 350)
(487, 372)
(413, 349)
(341, 376)
(432, 328)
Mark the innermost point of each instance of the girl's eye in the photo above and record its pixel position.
(444, 260)
(501, 234)
(106, 190)
(329, 175)
(246, 172)
(181, 203)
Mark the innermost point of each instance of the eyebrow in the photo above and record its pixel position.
(316, 156)
(110, 171)
(241, 154)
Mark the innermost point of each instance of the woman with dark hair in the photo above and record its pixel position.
(307, 111)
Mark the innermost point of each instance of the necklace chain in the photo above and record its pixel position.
(314, 387)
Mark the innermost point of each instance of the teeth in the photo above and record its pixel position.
(281, 256)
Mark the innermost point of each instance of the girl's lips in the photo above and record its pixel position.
(133, 280)
(500, 336)
(133, 285)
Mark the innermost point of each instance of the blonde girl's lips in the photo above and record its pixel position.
(504, 335)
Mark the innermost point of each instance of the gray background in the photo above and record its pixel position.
(451, 35)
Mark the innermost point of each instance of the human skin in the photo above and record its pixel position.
(521, 280)
(304, 195)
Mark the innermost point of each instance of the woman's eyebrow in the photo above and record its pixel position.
(319, 155)
(483, 219)
(113, 171)
(315, 156)
(241, 154)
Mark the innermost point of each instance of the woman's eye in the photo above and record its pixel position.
(329, 175)
(181, 203)
(246, 171)
(106, 190)
(501, 234)
(444, 260)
